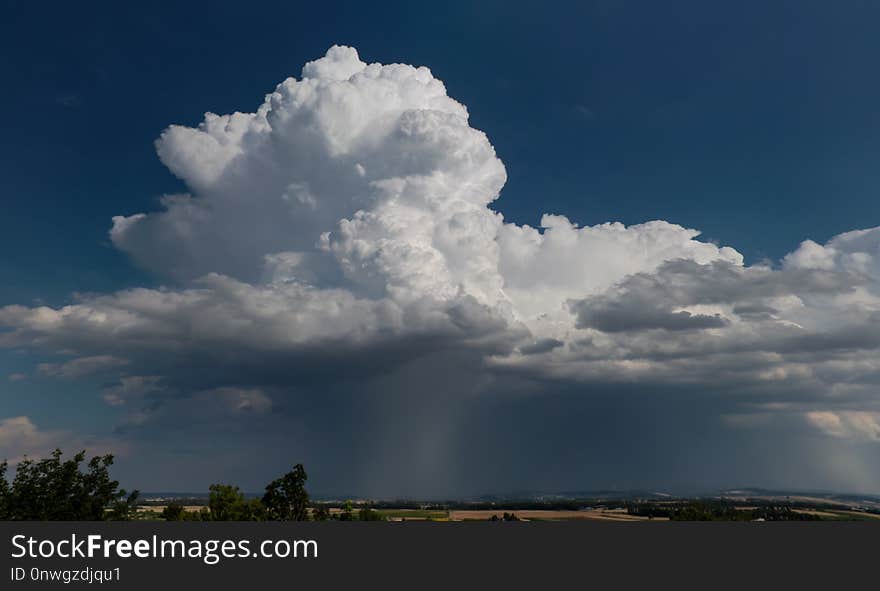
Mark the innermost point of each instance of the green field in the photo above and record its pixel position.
(413, 514)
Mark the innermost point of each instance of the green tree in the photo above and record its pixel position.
(56, 490)
(227, 503)
(347, 512)
(4, 493)
(368, 514)
(286, 498)
(123, 508)
(254, 510)
(320, 513)
(173, 512)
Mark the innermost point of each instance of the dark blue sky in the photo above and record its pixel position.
(756, 122)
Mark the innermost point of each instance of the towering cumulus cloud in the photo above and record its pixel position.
(340, 239)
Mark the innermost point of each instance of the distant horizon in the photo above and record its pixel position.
(562, 495)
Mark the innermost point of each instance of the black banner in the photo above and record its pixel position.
(458, 555)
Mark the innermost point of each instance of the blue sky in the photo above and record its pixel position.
(743, 121)
(754, 122)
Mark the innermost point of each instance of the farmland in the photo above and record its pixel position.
(605, 507)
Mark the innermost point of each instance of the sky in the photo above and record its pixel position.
(444, 251)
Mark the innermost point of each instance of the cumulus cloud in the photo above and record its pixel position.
(131, 388)
(20, 437)
(343, 228)
(82, 366)
(855, 251)
(847, 424)
(350, 207)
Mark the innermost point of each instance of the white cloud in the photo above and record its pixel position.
(847, 424)
(352, 207)
(369, 178)
(347, 222)
(20, 438)
(541, 270)
(857, 251)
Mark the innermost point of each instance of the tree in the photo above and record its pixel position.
(227, 503)
(173, 512)
(368, 514)
(347, 512)
(320, 513)
(286, 498)
(51, 489)
(124, 508)
(4, 493)
(254, 510)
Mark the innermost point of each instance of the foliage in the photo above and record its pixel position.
(173, 512)
(56, 489)
(320, 513)
(286, 498)
(5, 509)
(52, 489)
(347, 513)
(123, 508)
(227, 503)
(504, 517)
(718, 511)
(368, 514)
(255, 511)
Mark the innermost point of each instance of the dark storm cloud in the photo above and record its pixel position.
(541, 346)
(620, 316)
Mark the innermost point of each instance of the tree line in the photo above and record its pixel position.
(52, 489)
(718, 511)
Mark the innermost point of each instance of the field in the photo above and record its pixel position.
(840, 515)
(547, 515)
(739, 505)
(619, 515)
(160, 508)
(414, 514)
